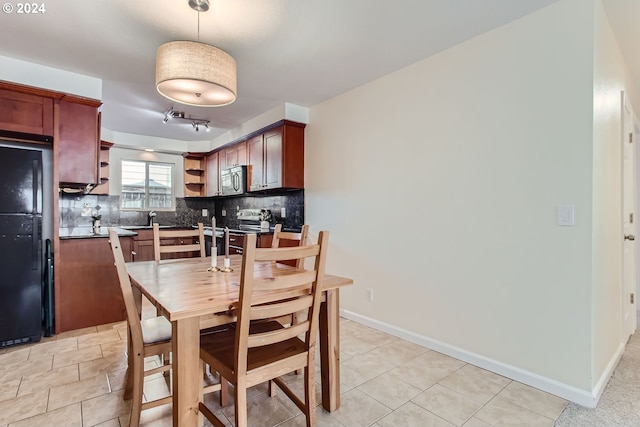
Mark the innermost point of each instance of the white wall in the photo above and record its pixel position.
(610, 79)
(30, 74)
(440, 184)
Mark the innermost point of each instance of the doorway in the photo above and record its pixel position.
(629, 314)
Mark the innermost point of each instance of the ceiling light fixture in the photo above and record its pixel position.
(195, 73)
(171, 114)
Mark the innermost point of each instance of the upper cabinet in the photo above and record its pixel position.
(26, 113)
(276, 158)
(78, 141)
(234, 155)
(274, 155)
(195, 175)
(213, 175)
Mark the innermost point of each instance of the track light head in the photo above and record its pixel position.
(196, 123)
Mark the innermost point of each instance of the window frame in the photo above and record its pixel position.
(148, 163)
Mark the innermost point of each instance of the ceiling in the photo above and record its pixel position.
(297, 51)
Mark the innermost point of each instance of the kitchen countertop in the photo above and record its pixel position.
(130, 230)
(87, 232)
(220, 231)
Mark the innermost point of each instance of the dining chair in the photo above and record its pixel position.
(178, 242)
(287, 238)
(148, 337)
(258, 349)
(164, 242)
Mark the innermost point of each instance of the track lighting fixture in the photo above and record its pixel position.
(170, 113)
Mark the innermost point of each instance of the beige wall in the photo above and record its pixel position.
(440, 184)
(610, 80)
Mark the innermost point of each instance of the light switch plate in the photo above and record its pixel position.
(224, 212)
(283, 212)
(566, 215)
(205, 212)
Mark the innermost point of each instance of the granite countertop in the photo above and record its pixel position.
(87, 232)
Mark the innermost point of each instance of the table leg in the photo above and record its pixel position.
(330, 350)
(187, 376)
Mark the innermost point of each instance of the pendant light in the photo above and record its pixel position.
(195, 73)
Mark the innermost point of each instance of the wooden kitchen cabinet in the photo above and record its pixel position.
(236, 242)
(195, 169)
(88, 292)
(276, 158)
(213, 175)
(26, 113)
(142, 245)
(233, 155)
(78, 142)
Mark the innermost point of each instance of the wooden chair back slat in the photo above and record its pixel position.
(271, 337)
(300, 238)
(280, 309)
(197, 249)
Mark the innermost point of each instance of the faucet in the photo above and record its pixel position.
(152, 215)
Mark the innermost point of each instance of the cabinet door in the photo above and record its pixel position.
(213, 175)
(89, 291)
(272, 175)
(256, 163)
(142, 250)
(236, 155)
(78, 143)
(22, 112)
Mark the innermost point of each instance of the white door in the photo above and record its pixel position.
(629, 226)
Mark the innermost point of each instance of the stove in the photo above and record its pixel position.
(250, 219)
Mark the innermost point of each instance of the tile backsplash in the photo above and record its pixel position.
(188, 210)
(292, 201)
(187, 213)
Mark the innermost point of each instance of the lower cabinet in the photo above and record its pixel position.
(142, 246)
(236, 242)
(88, 292)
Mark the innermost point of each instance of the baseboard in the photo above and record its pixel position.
(571, 393)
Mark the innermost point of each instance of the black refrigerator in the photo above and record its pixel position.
(21, 255)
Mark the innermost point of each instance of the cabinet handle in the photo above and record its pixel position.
(133, 253)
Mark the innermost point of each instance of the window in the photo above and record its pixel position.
(146, 185)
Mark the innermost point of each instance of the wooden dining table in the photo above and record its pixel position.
(194, 298)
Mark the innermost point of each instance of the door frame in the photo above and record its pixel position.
(628, 206)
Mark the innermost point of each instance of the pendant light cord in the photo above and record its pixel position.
(198, 26)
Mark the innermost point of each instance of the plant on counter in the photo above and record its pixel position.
(265, 215)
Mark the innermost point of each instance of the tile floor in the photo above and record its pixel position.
(77, 378)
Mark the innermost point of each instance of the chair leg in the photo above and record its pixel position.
(240, 393)
(272, 389)
(310, 395)
(224, 392)
(138, 385)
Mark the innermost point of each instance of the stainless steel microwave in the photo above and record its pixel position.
(234, 181)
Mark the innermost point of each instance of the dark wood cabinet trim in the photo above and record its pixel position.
(16, 87)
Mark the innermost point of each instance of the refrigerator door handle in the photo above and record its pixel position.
(35, 244)
(35, 183)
